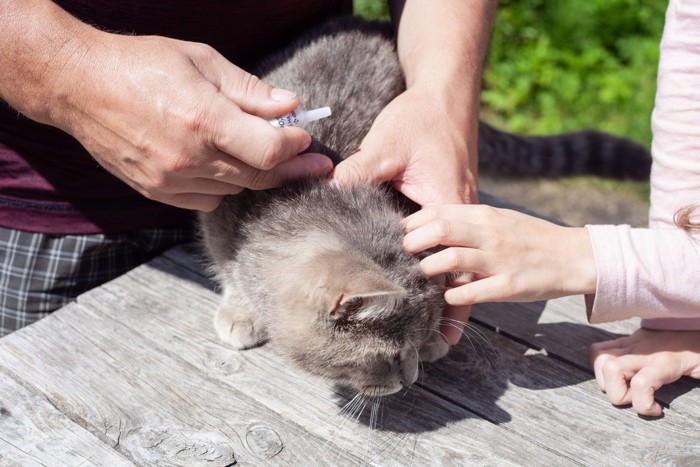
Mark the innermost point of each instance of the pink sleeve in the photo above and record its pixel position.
(655, 273)
(649, 273)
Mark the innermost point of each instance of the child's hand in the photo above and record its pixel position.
(631, 369)
(507, 255)
(512, 256)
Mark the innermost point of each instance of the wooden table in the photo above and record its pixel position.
(133, 373)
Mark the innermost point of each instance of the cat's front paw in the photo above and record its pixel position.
(434, 349)
(238, 333)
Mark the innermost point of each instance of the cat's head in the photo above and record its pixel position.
(356, 320)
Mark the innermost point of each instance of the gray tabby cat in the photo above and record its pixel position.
(321, 272)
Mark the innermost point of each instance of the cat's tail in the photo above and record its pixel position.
(580, 153)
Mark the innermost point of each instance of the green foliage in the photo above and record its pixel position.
(560, 65)
(567, 64)
(563, 65)
(371, 9)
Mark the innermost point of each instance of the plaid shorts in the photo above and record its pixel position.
(40, 273)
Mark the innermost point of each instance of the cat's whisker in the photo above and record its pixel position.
(349, 408)
(440, 333)
(478, 334)
(348, 414)
(420, 362)
(371, 426)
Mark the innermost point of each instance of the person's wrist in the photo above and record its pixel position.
(457, 111)
(43, 40)
(578, 268)
(69, 83)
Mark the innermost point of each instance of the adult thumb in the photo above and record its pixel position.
(256, 97)
(250, 93)
(362, 168)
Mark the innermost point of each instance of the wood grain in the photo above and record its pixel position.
(34, 432)
(132, 373)
(310, 403)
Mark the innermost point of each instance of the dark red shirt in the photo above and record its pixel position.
(50, 184)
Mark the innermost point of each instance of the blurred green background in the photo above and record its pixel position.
(559, 65)
(562, 65)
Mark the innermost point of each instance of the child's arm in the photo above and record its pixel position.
(513, 257)
(631, 369)
(649, 273)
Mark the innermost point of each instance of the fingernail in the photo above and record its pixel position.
(282, 94)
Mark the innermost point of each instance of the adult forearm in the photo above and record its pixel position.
(444, 43)
(38, 40)
(441, 47)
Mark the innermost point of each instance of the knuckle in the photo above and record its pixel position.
(269, 154)
(201, 52)
(454, 259)
(442, 229)
(486, 212)
(204, 50)
(432, 212)
(248, 83)
(177, 164)
(158, 181)
(464, 296)
(260, 180)
(192, 118)
(612, 366)
(349, 172)
(154, 194)
(640, 384)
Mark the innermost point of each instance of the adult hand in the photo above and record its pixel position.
(503, 255)
(424, 153)
(631, 369)
(416, 146)
(177, 121)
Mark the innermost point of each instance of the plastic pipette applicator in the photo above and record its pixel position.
(300, 118)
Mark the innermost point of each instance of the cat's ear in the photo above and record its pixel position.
(369, 296)
(339, 283)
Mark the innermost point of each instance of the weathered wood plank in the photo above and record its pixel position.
(559, 406)
(180, 319)
(154, 409)
(562, 389)
(33, 432)
(560, 327)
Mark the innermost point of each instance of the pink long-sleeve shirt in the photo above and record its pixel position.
(654, 273)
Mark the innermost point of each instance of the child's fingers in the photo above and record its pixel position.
(431, 213)
(617, 372)
(647, 381)
(600, 356)
(490, 289)
(441, 232)
(453, 259)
